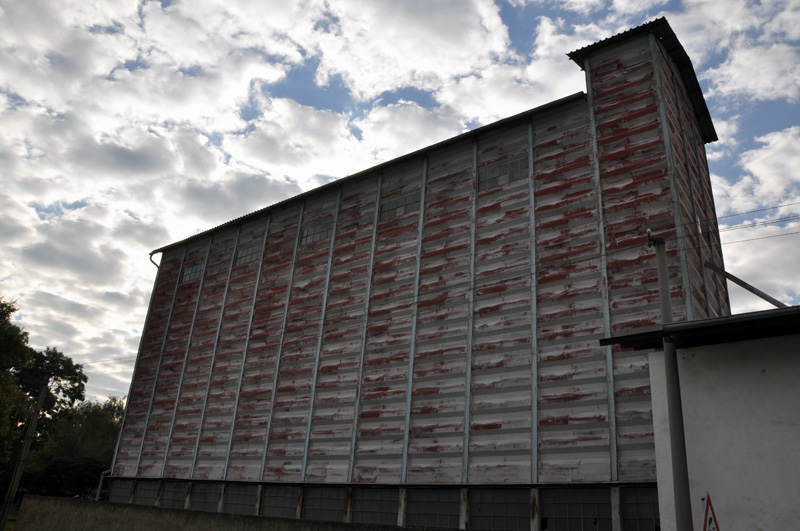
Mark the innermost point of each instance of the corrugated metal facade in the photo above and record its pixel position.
(436, 320)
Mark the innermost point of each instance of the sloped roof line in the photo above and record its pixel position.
(375, 169)
(663, 32)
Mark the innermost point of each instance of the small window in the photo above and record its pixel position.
(504, 173)
(401, 205)
(315, 233)
(247, 254)
(192, 273)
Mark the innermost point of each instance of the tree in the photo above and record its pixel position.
(22, 371)
(80, 446)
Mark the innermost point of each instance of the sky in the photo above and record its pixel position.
(128, 125)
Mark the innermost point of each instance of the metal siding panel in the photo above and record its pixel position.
(248, 442)
(246, 281)
(500, 427)
(187, 417)
(145, 377)
(435, 447)
(381, 425)
(170, 369)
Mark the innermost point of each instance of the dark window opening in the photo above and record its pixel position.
(315, 233)
(503, 173)
(402, 205)
(192, 273)
(247, 254)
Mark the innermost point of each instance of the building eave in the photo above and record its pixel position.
(728, 329)
(663, 32)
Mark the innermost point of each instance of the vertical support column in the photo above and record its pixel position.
(158, 368)
(616, 511)
(402, 502)
(536, 524)
(598, 190)
(348, 505)
(300, 499)
(244, 352)
(463, 510)
(283, 333)
(680, 233)
(414, 308)
(187, 502)
(534, 308)
(214, 351)
(159, 492)
(259, 493)
(674, 503)
(319, 337)
(357, 405)
(186, 354)
(221, 502)
(473, 193)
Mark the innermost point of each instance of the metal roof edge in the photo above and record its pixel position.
(726, 329)
(398, 160)
(666, 36)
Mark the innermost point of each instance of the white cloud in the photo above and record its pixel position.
(774, 165)
(583, 7)
(629, 7)
(378, 46)
(727, 142)
(758, 72)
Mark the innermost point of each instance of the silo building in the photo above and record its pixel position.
(419, 343)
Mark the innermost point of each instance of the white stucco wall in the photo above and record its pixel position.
(741, 409)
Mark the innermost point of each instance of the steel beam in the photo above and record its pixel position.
(158, 368)
(534, 310)
(357, 405)
(598, 190)
(246, 346)
(283, 333)
(186, 355)
(319, 336)
(214, 351)
(414, 309)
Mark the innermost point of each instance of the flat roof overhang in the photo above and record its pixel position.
(728, 329)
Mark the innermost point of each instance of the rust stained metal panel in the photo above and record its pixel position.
(137, 411)
(500, 430)
(338, 380)
(199, 354)
(298, 353)
(250, 423)
(572, 432)
(709, 296)
(436, 440)
(162, 409)
(378, 453)
(224, 377)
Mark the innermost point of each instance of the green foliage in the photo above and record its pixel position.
(22, 372)
(80, 446)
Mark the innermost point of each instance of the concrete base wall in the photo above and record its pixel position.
(66, 514)
(742, 425)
